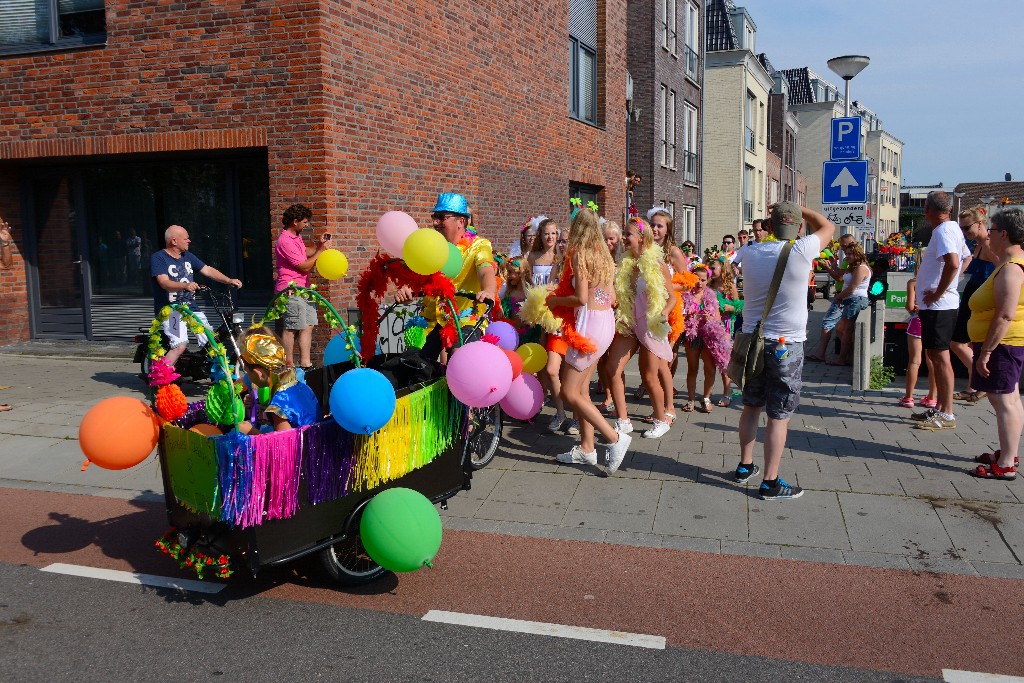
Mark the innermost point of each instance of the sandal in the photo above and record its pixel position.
(688, 407)
(994, 471)
(4, 407)
(706, 405)
(647, 419)
(638, 393)
(608, 407)
(992, 458)
(975, 397)
(724, 402)
(669, 418)
(962, 395)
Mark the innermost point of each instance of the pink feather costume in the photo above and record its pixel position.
(701, 325)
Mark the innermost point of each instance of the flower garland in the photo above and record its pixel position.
(649, 264)
(193, 559)
(373, 284)
(279, 304)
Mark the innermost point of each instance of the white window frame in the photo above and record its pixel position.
(668, 26)
(687, 223)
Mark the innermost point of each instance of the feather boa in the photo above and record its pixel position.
(649, 265)
(701, 324)
(560, 319)
(374, 282)
(676, 317)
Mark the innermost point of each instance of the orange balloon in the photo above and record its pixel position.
(517, 362)
(207, 430)
(118, 433)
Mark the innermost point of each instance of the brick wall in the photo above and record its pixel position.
(362, 107)
(14, 324)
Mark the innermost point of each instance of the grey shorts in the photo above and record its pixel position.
(299, 315)
(777, 389)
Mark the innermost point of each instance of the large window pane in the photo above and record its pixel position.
(254, 216)
(24, 22)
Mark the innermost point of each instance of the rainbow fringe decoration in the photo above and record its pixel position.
(329, 461)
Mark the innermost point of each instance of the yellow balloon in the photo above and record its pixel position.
(331, 264)
(534, 357)
(425, 251)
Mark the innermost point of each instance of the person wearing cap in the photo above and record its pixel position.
(451, 217)
(776, 390)
(292, 403)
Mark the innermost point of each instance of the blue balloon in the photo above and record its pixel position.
(362, 401)
(336, 351)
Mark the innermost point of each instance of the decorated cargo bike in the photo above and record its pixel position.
(244, 502)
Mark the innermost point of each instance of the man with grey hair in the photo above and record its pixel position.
(777, 389)
(173, 270)
(939, 304)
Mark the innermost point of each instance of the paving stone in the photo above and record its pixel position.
(929, 488)
(674, 472)
(941, 566)
(750, 549)
(470, 524)
(518, 512)
(827, 555)
(973, 488)
(702, 510)
(462, 506)
(846, 466)
(700, 545)
(535, 488)
(616, 495)
(880, 560)
(871, 524)
(814, 520)
(999, 571)
(875, 485)
(633, 538)
(970, 525)
(822, 482)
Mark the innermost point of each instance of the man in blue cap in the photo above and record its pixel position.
(451, 217)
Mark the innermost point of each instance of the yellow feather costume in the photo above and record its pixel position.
(649, 265)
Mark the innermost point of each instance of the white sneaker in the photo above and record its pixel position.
(577, 457)
(624, 426)
(556, 422)
(658, 430)
(574, 428)
(617, 452)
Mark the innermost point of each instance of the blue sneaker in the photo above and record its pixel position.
(781, 491)
(745, 472)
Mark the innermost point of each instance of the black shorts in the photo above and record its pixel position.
(937, 329)
(960, 331)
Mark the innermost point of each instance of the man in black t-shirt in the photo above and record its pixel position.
(173, 270)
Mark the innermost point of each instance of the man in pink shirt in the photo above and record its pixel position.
(294, 261)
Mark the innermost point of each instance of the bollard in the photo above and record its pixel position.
(862, 354)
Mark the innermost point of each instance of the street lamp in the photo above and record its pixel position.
(959, 196)
(847, 67)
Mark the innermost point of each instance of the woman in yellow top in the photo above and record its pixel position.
(996, 328)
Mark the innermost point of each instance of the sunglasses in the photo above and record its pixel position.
(444, 216)
(728, 242)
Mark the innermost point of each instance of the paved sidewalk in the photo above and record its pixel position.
(878, 492)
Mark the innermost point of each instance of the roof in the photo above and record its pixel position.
(800, 91)
(1012, 191)
(720, 34)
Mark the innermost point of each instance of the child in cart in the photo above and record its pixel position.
(292, 403)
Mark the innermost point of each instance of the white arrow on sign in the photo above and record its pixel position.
(844, 181)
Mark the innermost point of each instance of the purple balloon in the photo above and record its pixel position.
(393, 229)
(479, 374)
(508, 338)
(524, 398)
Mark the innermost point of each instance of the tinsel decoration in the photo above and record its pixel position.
(171, 404)
(195, 414)
(235, 474)
(161, 373)
(329, 461)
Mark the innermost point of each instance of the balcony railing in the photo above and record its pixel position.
(750, 139)
(748, 211)
(689, 167)
(691, 63)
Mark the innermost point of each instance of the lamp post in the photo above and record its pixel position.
(988, 200)
(959, 196)
(846, 67)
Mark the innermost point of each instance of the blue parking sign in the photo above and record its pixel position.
(844, 182)
(845, 140)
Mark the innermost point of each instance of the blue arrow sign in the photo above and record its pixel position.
(845, 140)
(844, 182)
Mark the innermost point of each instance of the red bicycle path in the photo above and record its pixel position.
(906, 622)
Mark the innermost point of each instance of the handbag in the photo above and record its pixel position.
(747, 359)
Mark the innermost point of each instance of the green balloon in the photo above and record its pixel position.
(401, 530)
(827, 253)
(453, 266)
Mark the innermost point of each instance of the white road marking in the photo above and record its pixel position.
(954, 676)
(132, 577)
(596, 635)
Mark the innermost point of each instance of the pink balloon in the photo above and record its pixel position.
(524, 398)
(479, 374)
(393, 229)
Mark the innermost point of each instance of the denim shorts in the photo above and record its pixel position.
(849, 309)
(777, 389)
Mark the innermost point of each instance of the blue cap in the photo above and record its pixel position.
(453, 203)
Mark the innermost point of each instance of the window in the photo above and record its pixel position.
(668, 25)
(748, 119)
(583, 60)
(37, 25)
(686, 226)
(689, 143)
(762, 122)
(760, 191)
(692, 29)
(773, 194)
(748, 193)
(668, 127)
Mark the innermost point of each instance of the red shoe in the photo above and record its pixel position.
(929, 403)
(994, 471)
(907, 402)
(993, 458)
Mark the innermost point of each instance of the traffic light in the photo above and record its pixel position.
(878, 287)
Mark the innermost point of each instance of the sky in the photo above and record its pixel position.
(946, 76)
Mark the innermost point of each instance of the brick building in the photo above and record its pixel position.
(665, 56)
(784, 181)
(121, 117)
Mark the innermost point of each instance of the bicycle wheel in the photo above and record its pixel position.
(484, 435)
(347, 562)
